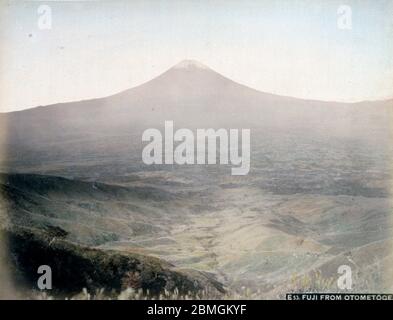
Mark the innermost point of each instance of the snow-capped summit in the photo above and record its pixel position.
(190, 64)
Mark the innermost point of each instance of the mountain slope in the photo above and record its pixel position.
(190, 94)
(75, 268)
(92, 213)
(186, 90)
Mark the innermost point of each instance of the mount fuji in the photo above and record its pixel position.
(192, 95)
(318, 194)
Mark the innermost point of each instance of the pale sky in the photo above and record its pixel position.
(98, 48)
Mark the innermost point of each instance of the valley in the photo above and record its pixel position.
(318, 193)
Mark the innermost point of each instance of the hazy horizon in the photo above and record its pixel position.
(194, 61)
(290, 48)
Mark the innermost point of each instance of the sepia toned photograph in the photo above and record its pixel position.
(196, 150)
